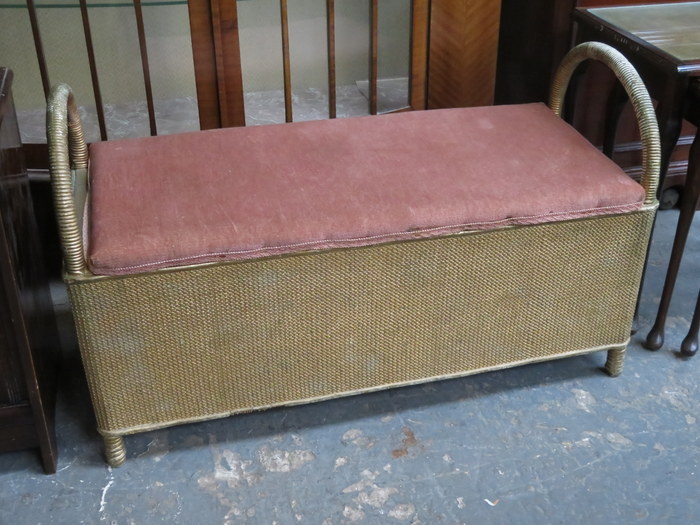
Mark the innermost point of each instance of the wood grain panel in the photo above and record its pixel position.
(463, 48)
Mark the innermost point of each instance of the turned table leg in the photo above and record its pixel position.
(691, 193)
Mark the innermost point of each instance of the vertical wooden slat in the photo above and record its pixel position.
(227, 51)
(420, 16)
(93, 70)
(373, 22)
(285, 60)
(144, 63)
(330, 34)
(204, 54)
(43, 71)
(217, 6)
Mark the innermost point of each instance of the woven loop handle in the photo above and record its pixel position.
(641, 102)
(67, 149)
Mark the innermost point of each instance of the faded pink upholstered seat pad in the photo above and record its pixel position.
(251, 192)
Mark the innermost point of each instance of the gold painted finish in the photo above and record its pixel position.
(67, 149)
(615, 361)
(166, 347)
(115, 451)
(638, 95)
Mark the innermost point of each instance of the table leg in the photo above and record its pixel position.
(670, 118)
(689, 201)
(689, 346)
(669, 114)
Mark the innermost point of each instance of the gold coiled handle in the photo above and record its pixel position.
(67, 152)
(637, 93)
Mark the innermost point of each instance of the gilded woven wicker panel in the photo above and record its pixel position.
(172, 346)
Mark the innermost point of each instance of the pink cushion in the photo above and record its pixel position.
(242, 193)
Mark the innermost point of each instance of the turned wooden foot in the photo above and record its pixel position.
(689, 346)
(616, 361)
(115, 452)
(655, 338)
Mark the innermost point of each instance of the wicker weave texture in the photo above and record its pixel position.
(173, 346)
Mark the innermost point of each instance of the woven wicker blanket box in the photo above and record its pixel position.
(225, 271)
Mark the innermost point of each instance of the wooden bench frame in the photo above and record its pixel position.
(198, 342)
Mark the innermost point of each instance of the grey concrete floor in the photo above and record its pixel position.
(558, 442)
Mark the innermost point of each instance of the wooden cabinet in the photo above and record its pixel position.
(28, 335)
(534, 37)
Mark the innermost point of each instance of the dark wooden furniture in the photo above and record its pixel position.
(658, 40)
(534, 36)
(28, 335)
(690, 202)
(690, 199)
